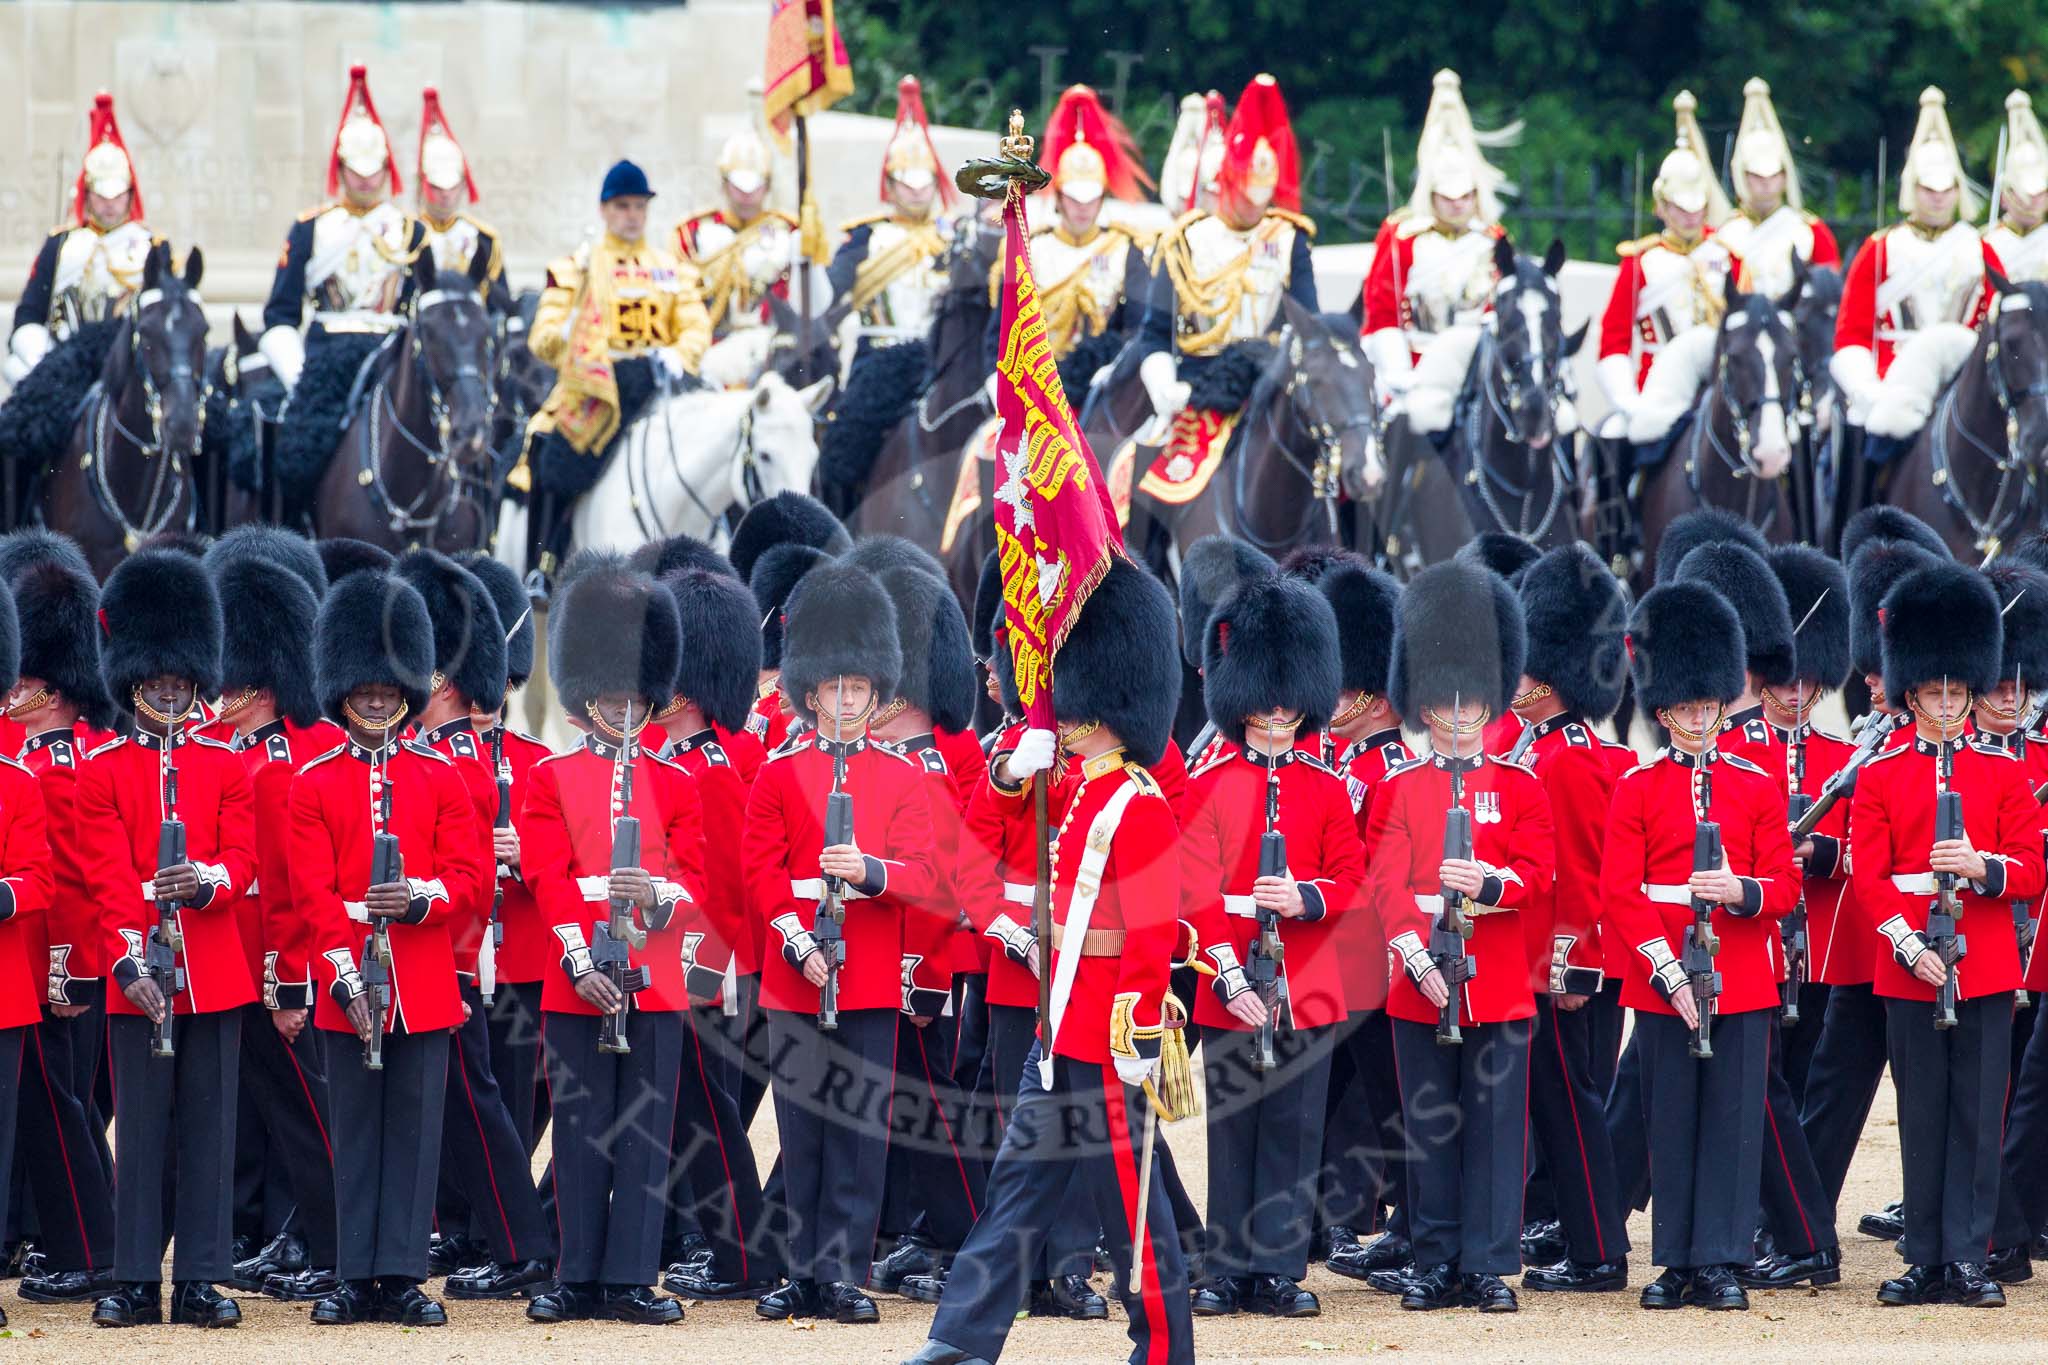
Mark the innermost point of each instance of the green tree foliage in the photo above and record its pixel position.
(1591, 80)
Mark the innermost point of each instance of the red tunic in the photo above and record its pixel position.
(572, 802)
(996, 872)
(719, 920)
(1893, 824)
(1511, 838)
(458, 741)
(1578, 770)
(335, 819)
(117, 814)
(25, 890)
(1227, 799)
(71, 928)
(770, 722)
(529, 948)
(276, 938)
(892, 824)
(1648, 862)
(1858, 321)
(1361, 938)
(933, 925)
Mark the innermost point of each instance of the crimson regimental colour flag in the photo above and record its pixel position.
(1055, 525)
(806, 70)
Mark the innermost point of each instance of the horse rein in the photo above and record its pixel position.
(1324, 476)
(446, 492)
(105, 425)
(1988, 531)
(639, 488)
(1483, 477)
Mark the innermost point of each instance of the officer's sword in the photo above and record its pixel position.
(1140, 1222)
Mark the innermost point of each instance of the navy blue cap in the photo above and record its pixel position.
(622, 179)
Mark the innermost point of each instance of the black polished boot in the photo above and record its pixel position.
(797, 1299)
(1068, 1296)
(912, 1256)
(1714, 1288)
(494, 1281)
(198, 1304)
(1571, 1277)
(351, 1301)
(563, 1303)
(131, 1305)
(1668, 1290)
(1782, 1271)
(1277, 1296)
(1920, 1284)
(847, 1303)
(1433, 1287)
(636, 1303)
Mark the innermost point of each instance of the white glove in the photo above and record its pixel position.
(730, 363)
(988, 390)
(1617, 376)
(285, 349)
(12, 370)
(1033, 754)
(29, 344)
(670, 367)
(1855, 372)
(1161, 379)
(1135, 1071)
(1392, 368)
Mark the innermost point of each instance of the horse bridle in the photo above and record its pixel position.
(638, 488)
(106, 423)
(1483, 477)
(409, 518)
(1988, 531)
(1325, 475)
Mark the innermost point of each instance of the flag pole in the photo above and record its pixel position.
(805, 212)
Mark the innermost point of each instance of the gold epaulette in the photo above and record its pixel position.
(700, 216)
(1300, 220)
(1179, 228)
(1638, 246)
(866, 220)
(1141, 778)
(479, 224)
(565, 271)
(1141, 238)
(784, 214)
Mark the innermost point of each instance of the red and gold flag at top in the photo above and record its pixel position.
(807, 70)
(1055, 525)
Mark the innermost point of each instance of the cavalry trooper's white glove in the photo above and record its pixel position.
(1162, 384)
(1033, 755)
(1617, 376)
(670, 369)
(1392, 368)
(285, 349)
(1854, 370)
(29, 344)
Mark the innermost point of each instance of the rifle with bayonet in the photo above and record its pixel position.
(494, 932)
(1267, 951)
(387, 865)
(1947, 908)
(1453, 927)
(614, 938)
(1702, 945)
(1792, 929)
(166, 940)
(1842, 784)
(829, 929)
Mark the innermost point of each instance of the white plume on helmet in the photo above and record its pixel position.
(1449, 155)
(1183, 154)
(1761, 147)
(2026, 149)
(1933, 161)
(745, 161)
(1685, 178)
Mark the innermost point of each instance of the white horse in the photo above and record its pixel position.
(685, 461)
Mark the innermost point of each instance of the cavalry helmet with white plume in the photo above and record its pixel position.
(1932, 161)
(1181, 169)
(1449, 159)
(442, 163)
(745, 161)
(2026, 150)
(108, 171)
(1685, 178)
(1760, 145)
(360, 142)
(911, 160)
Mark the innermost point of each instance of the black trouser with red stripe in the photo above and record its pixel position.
(1796, 1206)
(287, 1082)
(1068, 1247)
(483, 1152)
(1951, 1085)
(935, 1179)
(1568, 1122)
(71, 1189)
(1466, 1110)
(1365, 1156)
(2023, 1189)
(12, 1041)
(614, 1116)
(711, 1162)
(1264, 1138)
(1802, 1039)
(1705, 1118)
(174, 1127)
(1842, 1080)
(514, 1024)
(1080, 1140)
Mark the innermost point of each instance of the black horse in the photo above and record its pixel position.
(414, 464)
(1973, 473)
(127, 474)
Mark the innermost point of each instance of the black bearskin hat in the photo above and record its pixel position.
(1500, 553)
(938, 664)
(1744, 578)
(1685, 644)
(1213, 568)
(1364, 600)
(1700, 527)
(1817, 591)
(58, 605)
(776, 575)
(160, 615)
(1882, 521)
(721, 654)
(988, 619)
(37, 545)
(878, 554)
(1877, 566)
(10, 642)
(1577, 615)
(1314, 563)
(613, 629)
(515, 614)
(1272, 643)
(267, 640)
(1941, 621)
(2023, 601)
(469, 639)
(341, 556)
(839, 622)
(1458, 635)
(275, 546)
(660, 558)
(784, 519)
(2031, 550)
(1117, 665)
(373, 628)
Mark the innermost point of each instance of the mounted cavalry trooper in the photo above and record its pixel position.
(1432, 262)
(1914, 295)
(746, 251)
(88, 267)
(1772, 228)
(1671, 281)
(445, 182)
(2016, 238)
(1218, 278)
(889, 269)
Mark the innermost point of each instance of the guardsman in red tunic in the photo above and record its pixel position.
(1572, 680)
(1368, 1169)
(1270, 670)
(786, 518)
(271, 707)
(160, 654)
(1458, 647)
(374, 653)
(935, 1177)
(1796, 1208)
(613, 652)
(25, 897)
(62, 1140)
(495, 1241)
(1942, 643)
(1705, 1114)
(841, 659)
(1115, 909)
(714, 687)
